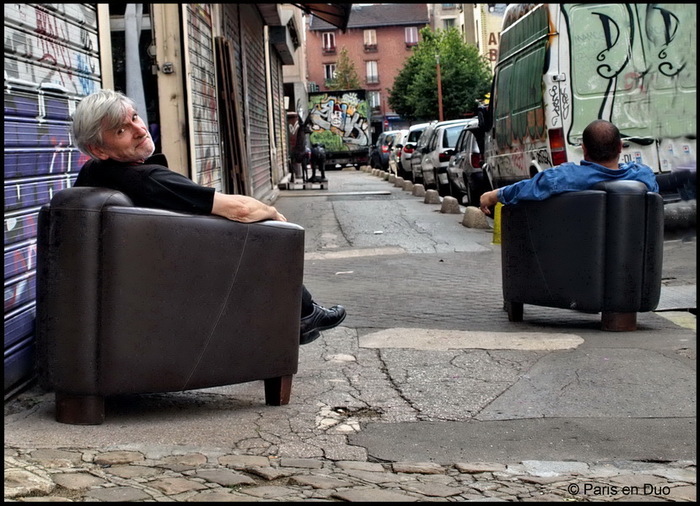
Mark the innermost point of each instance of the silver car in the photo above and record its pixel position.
(464, 171)
(395, 166)
(419, 150)
(438, 150)
(409, 147)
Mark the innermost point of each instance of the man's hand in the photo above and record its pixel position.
(488, 200)
(243, 208)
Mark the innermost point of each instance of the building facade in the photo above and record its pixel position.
(379, 38)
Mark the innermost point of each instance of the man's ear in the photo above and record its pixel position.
(99, 152)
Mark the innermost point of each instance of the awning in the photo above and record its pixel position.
(335, 14)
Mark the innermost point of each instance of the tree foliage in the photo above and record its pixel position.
(465, 75)
(346, 77)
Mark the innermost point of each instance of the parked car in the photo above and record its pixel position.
(438, 150)
(419, 150)
(409, 146)
(379, 151)
(395, 166)
(464, 170)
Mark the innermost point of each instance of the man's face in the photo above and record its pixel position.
(129, 142)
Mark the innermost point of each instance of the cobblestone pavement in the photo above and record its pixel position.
(215, 476)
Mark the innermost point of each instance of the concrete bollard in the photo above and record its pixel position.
(419, 190)
(391, 178)
(408, 186)
(398, 182)
(431, 197)
(474, 218)
(384, 175)
(450, 205)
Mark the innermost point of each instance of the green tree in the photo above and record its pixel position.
(465, 75)
(345, 74)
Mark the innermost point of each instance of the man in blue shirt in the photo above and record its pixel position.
(602, 146)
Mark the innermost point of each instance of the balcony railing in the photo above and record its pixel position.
(370, 48)
(372, 80)
(329, 50)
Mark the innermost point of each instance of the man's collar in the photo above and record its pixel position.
(157, 159)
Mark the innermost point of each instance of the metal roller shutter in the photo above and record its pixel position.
(51, 61)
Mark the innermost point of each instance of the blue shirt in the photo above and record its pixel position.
(570, 177)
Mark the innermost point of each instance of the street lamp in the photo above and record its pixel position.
(439, 87)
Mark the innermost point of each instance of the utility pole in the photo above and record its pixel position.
(439, 88)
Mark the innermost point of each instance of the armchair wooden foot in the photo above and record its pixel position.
(278, 390)
(80, 409)
(515, 311)
(619, 322)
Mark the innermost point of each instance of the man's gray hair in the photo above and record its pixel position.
(103, 110)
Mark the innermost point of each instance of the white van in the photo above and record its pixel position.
(562, 66)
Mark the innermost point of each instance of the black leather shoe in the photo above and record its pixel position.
(320, 319)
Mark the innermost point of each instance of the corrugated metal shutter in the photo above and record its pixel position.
(51, 61)
(255, 95)
(202, 74)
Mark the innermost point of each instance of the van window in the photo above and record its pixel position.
(518, 86)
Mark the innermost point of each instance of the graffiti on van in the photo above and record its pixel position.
(635, 65)
(339, 121)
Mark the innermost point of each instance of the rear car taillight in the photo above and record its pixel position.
(475, 160)
(445, 156)
(557, 146)
(408, 149)
(385, 148)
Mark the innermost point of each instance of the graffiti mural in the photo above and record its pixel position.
(339, 121)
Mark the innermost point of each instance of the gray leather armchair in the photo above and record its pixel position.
(135, 300)
(598, 250)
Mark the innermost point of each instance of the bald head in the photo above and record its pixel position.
(602, 143)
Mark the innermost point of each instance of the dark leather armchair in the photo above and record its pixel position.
(598, 250)
(135, 300)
